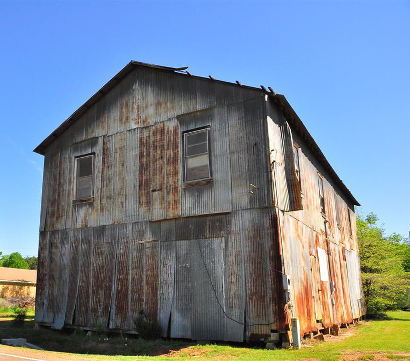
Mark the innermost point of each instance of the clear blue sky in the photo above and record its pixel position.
(344, 67)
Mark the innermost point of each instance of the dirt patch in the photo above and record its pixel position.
(343, 334)
(193, 351)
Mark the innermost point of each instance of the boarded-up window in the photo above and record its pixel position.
(292, 193)
(324, 273)
(196, 155)
(84, 187)
(321, 193)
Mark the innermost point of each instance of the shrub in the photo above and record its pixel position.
(147, 328)
(19, 315)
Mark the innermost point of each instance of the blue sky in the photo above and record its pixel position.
(344, 67)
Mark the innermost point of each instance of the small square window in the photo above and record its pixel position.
(196, 155)
(84, 185)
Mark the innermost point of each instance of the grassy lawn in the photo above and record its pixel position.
(374, 340)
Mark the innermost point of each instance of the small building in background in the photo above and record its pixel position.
(17, 283)
(203, 204)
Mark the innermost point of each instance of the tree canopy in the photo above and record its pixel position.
(385, 264)
(16, 260)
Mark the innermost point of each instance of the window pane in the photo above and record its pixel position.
(84, 187)
(196, 137)
(85, 166)
(196, 149)
(197, 167)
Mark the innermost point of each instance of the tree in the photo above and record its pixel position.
(14, 260)
(31, 261)
(383, 263)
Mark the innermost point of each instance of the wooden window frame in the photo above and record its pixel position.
(198, 181)
(91, 197)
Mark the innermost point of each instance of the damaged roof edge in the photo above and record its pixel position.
(280, 99)
(297, 125)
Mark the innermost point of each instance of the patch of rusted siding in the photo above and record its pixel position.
(42, 277)
(106, 194)
(122, 281)
(74, 271)
(172, 169)
(83, 303)
(151, 279)
(118, 179)
(158, 171)
(145, 178)
(102, 271)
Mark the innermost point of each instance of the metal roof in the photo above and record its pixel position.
(291, 116)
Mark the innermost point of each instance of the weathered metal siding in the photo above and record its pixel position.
(206, 261)
(315, 302)
(213, 278)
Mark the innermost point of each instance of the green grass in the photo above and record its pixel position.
(389, 337)
(7, 312)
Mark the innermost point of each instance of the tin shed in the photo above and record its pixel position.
(207, 205)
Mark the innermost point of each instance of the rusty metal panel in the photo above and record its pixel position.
(182, 305)
(151, 279)
(62, 277)
(74, 271)
(213, 196)
(118, 180)
(42, 278)
(132, 178)
(234, 280)
(145, 161)
(158, 172)
(167, 266)
(137, 276)
(122, 288)
(172, 169)
(107, 175)
(102, 277)
(353, 272)
(83, 303)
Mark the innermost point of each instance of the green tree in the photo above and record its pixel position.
(14, 260)
(383, 262)
(31, 261)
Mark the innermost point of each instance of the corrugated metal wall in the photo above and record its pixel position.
(315, 302)
(202, 279)
(206, 261)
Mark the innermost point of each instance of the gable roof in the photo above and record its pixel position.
(291, 116)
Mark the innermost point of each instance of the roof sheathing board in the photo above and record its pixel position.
(279, 99)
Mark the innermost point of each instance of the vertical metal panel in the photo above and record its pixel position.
(144, 194)
(42, 277)
(151, 279)
(83, 304)
(102, 273)
(74, 274)
(234, 281)
(122, 279)
(207, 269)
(182, 306)
(62, 277)
(131, 177)
(157, 183)
(107, 175)
(167, 266)
(172, 169)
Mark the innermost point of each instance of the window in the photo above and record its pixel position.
(321, 194)
(196, 155)
(296, 161)
(84, 186)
